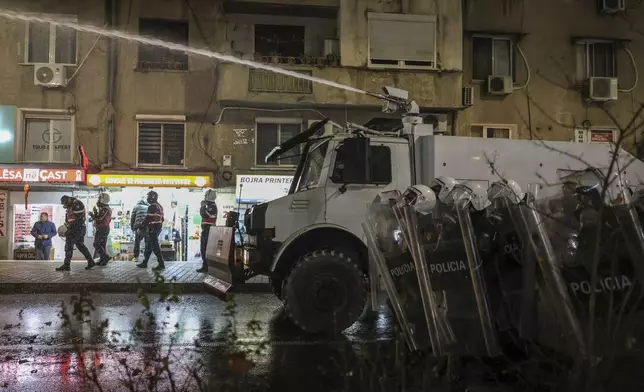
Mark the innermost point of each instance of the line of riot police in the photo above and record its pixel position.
(468, 270)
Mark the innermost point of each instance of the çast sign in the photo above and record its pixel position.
(14, 174)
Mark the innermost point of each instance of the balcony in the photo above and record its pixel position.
(240, 84)
(260, 81)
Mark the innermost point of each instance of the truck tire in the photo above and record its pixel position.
(276, 286)
(325, 292)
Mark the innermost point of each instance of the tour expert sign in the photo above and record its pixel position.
(4, 198)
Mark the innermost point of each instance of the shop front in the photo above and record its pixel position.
(25, 193)
(256, 189)
(179, 194)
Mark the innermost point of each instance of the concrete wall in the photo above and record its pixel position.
(551, 105)
(166, 92)
(429, 88)
(85, 95)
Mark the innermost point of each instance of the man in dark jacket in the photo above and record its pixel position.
(208, 213)
(75, 233)
(43, 231)
(137, 218)
(101, 218)
(153, 223)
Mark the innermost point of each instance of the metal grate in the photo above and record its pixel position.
(260, 81)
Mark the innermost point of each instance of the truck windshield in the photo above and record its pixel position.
(313, 166)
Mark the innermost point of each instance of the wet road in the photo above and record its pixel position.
(198, 339)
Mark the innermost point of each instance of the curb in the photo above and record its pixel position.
(108, 287)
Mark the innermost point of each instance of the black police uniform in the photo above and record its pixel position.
(102, 218)
(75, 236)
(208, 213)
(153, 222)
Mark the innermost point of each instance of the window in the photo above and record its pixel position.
(380, 161)
(492, 56)
(402, 41)
(270, 133)
(281, 41)
(161, 144)
(152, 57)
(595, 59)
(48, 139)
(492, 131)
(48, 43)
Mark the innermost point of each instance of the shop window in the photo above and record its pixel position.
(47, 43)
(161, 144)
(380, 164)
(493, 131)
(280, 41)
(48, 139)
(153, 57)
(595, 59)
(273, 132)
(402, 41)
(492, 56)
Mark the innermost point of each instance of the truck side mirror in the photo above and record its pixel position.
(353, 162)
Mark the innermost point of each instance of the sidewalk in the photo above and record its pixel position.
(27, 277)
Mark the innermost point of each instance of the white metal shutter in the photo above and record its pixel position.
(401, 37)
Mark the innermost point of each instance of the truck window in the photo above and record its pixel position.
(380, 164)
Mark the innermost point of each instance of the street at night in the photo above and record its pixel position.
(39, 353)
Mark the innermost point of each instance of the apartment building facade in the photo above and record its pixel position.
(553, 70)
(151, 116)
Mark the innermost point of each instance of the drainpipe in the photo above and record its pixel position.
(111, 14)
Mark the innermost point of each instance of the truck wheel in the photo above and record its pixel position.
(325, 292)
(276, 286)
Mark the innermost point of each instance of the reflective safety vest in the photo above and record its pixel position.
(155, 215)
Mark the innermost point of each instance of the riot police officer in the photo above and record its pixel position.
(208, 213)
(101, 218)
(74, 231)
(153, 223)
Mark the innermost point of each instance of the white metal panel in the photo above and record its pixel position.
(524, 161)
(402, 37)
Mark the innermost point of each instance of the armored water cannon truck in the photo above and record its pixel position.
(310, 242)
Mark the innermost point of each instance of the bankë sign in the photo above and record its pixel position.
(259, 189)
(17, 174)
(149, 180)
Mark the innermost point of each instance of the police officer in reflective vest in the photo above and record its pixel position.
(208, 213)
(74, 231)
(101, 217)
(153, 223)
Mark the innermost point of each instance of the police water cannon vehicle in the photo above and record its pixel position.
(310, 243)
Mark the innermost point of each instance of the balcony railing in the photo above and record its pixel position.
(261, 81)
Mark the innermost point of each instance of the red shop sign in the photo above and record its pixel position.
(601, 136)
(49, 175)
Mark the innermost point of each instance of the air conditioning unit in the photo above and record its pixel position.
(331, 47)
(499, 85)
(467, 97)
(612, 6)
(50, 75)
(602, 89)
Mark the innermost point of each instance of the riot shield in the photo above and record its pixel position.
(396, 266)
(551, 228)
(469, 313)
(513, 272)
(592, 246)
